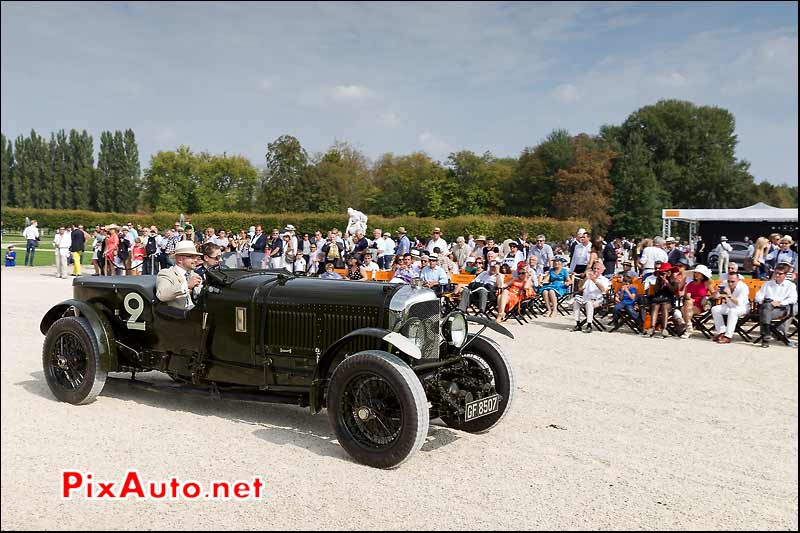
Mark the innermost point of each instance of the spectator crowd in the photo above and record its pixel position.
(662, 280)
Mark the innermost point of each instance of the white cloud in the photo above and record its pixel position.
(672, 79)
(433, 144)
(389, 119)
(265, 85)
(351, 93)
(566, 93)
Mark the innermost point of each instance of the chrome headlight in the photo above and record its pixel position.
(454, 329)
(415, 330)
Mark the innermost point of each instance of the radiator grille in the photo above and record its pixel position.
(430, 314)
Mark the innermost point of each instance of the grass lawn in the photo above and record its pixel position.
(44, 256)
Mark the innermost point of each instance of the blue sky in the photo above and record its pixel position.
(228, 77)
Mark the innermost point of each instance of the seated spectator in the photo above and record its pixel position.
(543, 253)
(369, 266)
(520, 288)
(404, 271)
(354, 269)
(594, 289)
(695, 296)
(532, 267)
(664, 292)
(776, 299)
(735, 303)
(555, 284)
(627, 269)
(330, 273)
(470, 266)
(433, 276)
(626, 300)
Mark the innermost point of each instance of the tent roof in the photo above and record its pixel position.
(759, 212)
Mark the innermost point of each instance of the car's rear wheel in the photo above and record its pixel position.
(71, 361)
(485, 354)
(378, 408)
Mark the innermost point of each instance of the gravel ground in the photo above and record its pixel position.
(607, 432)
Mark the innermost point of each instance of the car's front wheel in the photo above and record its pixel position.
(484, 354)
(378, 408)
(71, 361)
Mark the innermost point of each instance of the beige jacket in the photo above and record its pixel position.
(172, 288)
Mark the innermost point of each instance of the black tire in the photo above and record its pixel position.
(378, 408)
(713, 262)
(71, 361)
(484, 353)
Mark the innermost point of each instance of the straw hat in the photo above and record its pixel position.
(185, 248)
(481, 238)
(402, 230)
(787, 238)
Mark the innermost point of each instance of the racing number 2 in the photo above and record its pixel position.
(135, 311)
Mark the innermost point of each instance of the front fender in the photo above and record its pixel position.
(100, 325)
(403, 344)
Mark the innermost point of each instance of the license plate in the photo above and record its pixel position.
(482, 407)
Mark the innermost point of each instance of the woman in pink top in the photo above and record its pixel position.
(695, 294)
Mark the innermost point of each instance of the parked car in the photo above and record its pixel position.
(379, 356)
(738, 255)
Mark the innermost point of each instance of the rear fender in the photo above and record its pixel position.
(99, 323)
(401, 343)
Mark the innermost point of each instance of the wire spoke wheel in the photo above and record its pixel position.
(371, 410)
(71, 361)
(68, 362)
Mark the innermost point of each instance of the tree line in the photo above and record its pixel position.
(61, 173)
(669, 154)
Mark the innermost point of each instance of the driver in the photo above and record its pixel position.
(175, 286)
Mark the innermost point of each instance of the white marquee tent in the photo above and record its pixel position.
(759, 212)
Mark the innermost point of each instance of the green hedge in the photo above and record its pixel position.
(500, 227)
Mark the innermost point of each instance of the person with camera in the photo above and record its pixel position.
(776, 299)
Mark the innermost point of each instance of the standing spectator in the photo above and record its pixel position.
(61, 243)
(222, 240)
(315, 259)
(772, 252)
(785, 253)
(610, 257)
(97, 246)
(460, 252)
(436, 241)
(259, 241)
(543, 253)
(760, 266)
(333, 252)
(305, 248)
(523, 245)
(387, 249)
(580, 253)
(652, 251)
(76, 248)
(490, 248)
(11, 256)
(151, 249)
(574, 240)
(243, 247)
(137, 257)
(723, 250)
(289, 253)
(31, 234)
(775, 298)
(477, 249)
(276, 250)
(674, 253)
(360, 245)
(699, 249)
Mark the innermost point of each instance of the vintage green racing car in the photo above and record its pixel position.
(378, 356)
